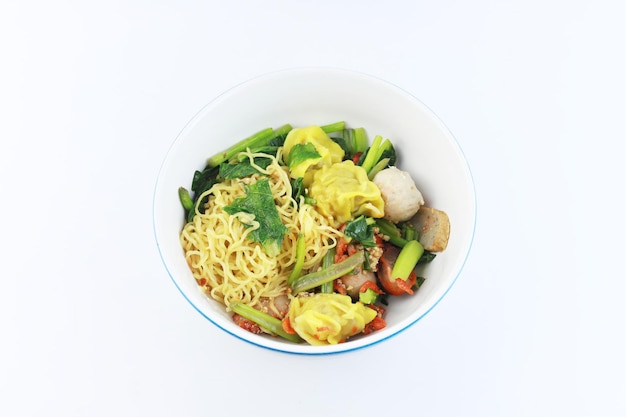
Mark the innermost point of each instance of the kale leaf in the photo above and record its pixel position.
(301, 152)
(259, 202)
(360, 231)
(243, 168)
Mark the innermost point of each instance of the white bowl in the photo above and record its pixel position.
(320, 96)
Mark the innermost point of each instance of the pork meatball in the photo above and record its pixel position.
(400, 194)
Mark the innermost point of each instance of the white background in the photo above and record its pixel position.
(92, 94)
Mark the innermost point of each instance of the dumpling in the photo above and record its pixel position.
(328, 319)
(342, 191)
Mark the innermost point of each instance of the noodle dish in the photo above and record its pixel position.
(309, 233)
(314, 211)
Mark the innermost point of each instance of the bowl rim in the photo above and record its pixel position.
(283, 346)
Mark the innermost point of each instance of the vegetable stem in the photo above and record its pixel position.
(261, 138)
(315, 279)
(327, 261)
(264, 320)
(185, 198)
(409, 232)
(282, 130)
(390, 230)
(334, 127)
(300, 251)
(382, 164)
(407, 259)
(370, 158)
(360, 140)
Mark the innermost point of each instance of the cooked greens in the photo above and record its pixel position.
(301, 152)
(361, 231)
(242, 169)
(259, 202)
(254, 142)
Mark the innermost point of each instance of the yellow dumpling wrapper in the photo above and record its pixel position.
(328, 319)
(342, 191)
(330, 152)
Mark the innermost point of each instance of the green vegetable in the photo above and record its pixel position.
(361, 231)
(185, 199)
(348, 139)
(327, 261)
(267, 149)
(382, 164)
(407, 259)
(359, 162)
(418, 283)
(352, 141)
(360, 140)
(280, 134)
(259, 202)
(427, 257)
(242, 169)
(300, 153)
(371, 156)
(387, 228)
(334, 127)
(300, 252)
(367, 263)
(378, 151)
(368, 297)
(259, 139)
(388, 152)
(341, 141)
(409, 231)
(315, 279)
(297, 188)
(202, 182)
(192, 213)
(265, 321)
(265, 141)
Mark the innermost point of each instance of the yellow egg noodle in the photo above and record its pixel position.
(229, 266)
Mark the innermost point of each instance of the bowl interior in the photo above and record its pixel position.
(304, 97)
